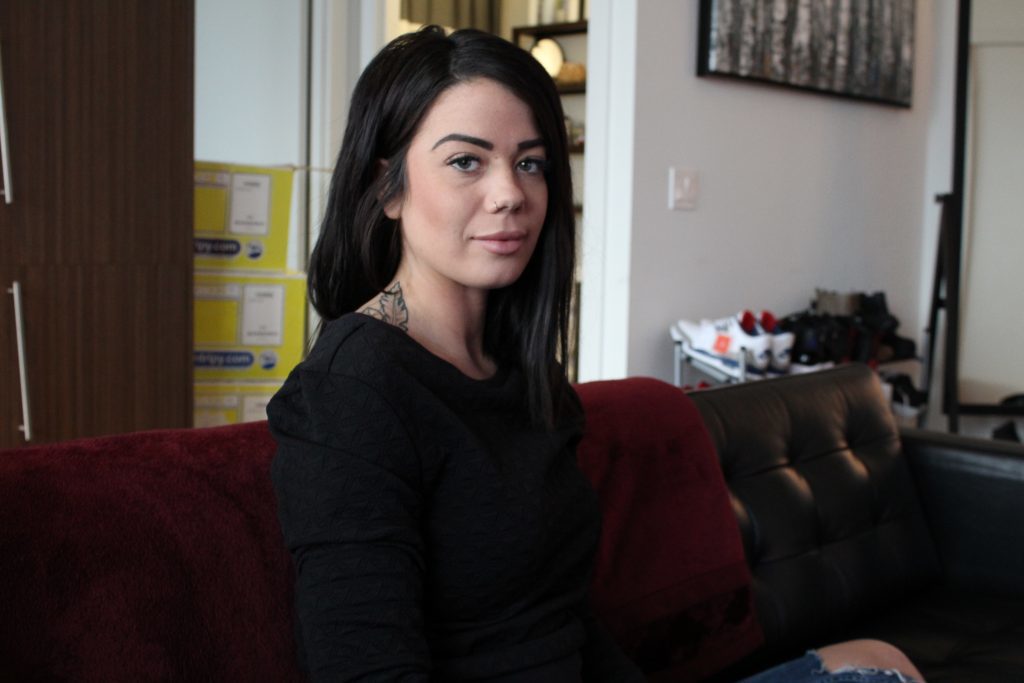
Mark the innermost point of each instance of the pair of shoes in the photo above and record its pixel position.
(840, 328)
(818, 341)
(782, 340)
(875, 312)
(1012, 429)
(726, 342)
(879, 325)
(907, 400)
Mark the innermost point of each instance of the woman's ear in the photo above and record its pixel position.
(393, 208)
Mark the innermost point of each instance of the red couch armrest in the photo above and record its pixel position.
(671, 583)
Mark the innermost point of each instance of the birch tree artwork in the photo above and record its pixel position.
(858, 48)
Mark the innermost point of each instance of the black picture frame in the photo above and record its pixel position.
(865, 52)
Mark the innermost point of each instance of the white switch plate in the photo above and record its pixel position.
(683, 188)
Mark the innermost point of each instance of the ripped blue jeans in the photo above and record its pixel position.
(809, 669)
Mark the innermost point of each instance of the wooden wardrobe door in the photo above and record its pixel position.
(99, 105)
(111, 365)
(100, 109)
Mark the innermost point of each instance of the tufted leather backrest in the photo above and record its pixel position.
(831, 523)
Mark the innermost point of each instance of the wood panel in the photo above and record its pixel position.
(100, 120)
(113, 362)
(100, 108)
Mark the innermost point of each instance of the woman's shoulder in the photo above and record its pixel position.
(352, 354)
(346, 381)
(354, 345)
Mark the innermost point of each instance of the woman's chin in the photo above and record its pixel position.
(500, 280)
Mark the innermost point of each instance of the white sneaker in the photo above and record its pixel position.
(804, 368)
(724, 344)
(782, 343)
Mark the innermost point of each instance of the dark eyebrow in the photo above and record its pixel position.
(528, 144)
(459, 137)
(463, 138)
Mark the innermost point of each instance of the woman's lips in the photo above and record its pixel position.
(502, 243)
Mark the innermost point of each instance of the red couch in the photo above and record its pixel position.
(157, 555)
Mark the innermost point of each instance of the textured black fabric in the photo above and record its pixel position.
(436, 534)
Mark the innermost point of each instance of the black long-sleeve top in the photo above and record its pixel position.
(436, 533)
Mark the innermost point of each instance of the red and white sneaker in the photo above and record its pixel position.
(724, 343)
(782, 343)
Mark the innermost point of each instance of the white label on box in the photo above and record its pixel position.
(250, 204)
(263, 315)
(229, 401)
(217, 291)
(212, 178)
(254, 408)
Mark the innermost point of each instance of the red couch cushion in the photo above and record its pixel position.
(671, 582)
(157, 555)
(147, 556)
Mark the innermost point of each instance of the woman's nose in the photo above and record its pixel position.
(506, 193)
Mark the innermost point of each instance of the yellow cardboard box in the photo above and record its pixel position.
(225, 403)
(247, 326)
(241, 216)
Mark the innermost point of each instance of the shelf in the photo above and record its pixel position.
(552, 31)
(549, 30)
(685, 356)
(531, 34)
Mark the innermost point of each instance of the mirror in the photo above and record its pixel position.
(988, 327)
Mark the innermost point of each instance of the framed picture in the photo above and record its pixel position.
(559, 11)
(862, 49)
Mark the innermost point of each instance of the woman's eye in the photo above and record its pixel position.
(533, 166)
(465, 163)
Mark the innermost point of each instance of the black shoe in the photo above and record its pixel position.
(903, 390)
(1006, 432)
(874, 312)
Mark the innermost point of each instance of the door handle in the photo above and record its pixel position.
(19, 330)
(5, 151)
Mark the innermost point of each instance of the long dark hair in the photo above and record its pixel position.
(359, 248)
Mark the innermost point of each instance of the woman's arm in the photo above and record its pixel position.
(348, 486)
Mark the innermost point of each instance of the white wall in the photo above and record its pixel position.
(249, 81)
(607, 232)
(798, 190)
(250, 89)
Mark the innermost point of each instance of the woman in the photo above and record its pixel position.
(425, 474)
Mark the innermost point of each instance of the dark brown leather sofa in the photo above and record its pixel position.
(855, 529)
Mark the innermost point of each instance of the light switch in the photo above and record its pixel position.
(683, 188)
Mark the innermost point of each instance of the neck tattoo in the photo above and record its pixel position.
(389, 306)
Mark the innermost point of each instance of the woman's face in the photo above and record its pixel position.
(475, 192)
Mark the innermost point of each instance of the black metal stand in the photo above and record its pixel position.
(945, 295)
